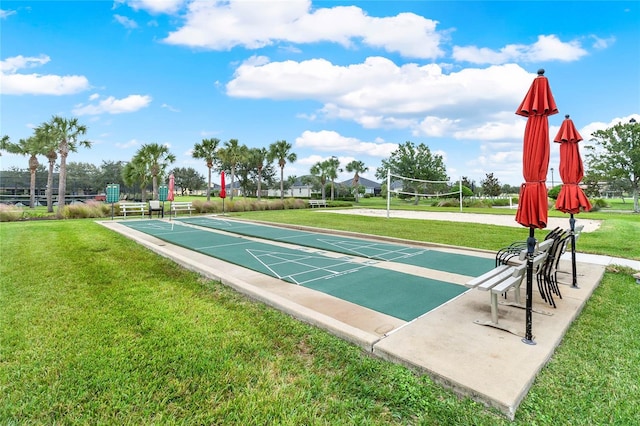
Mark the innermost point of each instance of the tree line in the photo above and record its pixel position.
(614, 157)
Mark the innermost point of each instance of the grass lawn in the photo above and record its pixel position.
(95, 329)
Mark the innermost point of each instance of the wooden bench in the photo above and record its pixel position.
(500, 280)
(317, 203)
(133, 208)
(181, 206)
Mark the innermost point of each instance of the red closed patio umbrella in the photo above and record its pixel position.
(223, 189)
(571, 198)
(537, 106)
(172, 187)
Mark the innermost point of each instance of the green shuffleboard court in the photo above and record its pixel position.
(424, 257)
(398, 294)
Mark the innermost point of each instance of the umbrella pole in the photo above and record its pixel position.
(531, 244)
(572, 224)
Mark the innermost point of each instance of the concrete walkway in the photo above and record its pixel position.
(483, 363)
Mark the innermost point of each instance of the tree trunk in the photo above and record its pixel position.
(50, 186)
(259, 182)
(33, 165)
(209, 185)
(281, 183)
(233, 175)
(62, 184)
(32, 189)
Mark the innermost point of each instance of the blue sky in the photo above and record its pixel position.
(333, 78)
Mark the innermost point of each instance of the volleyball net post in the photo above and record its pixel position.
(415, 193)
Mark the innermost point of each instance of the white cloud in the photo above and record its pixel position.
(111, 105)
(126, 145)
(380, 94)
(546, 48)
(155, 6)
(587, 131)
(15, 63)
(14, 83)
(602, 43)
(330, 141)
(4, 14)
(224, 25)
(126, 22)
(170, 108)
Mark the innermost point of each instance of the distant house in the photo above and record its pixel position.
(370, 187)
(297, 190)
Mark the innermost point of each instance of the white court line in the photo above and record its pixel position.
(347, 245)
(330, 272)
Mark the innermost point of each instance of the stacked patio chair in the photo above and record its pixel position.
(514, 250)
(547, 274)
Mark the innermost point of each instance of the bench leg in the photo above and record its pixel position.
(494, 319)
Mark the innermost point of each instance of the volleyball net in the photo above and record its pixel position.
(419, 188)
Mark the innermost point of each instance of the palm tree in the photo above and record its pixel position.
(319, 170)
(357, 167)
(66, 132)
(3, 142)
(280, 150)
(136, 171)
(157, 158)
(206, 150)
(333, 167)
(232, 154)
(46, 132)
(31, 147)
(257, 158)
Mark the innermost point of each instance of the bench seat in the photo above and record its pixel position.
(140, 208)
(178, 206)
(317, 203)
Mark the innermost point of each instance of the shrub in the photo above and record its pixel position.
(85, 210)
(448, 203)
(10, 213)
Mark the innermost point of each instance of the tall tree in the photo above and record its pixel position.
(4, 140)
(616, 155)
(136, 171)
(356, 167)
(490, 185)
(258, 157)
(47, 133)
(84, 177)
(333, 168)
(31, 147)
(110, 173)
(188, 179)
(416, 162)
(320, 172)
(231, 154)
(157, 158)
(281, 151)
(206, 150)
(66, 131)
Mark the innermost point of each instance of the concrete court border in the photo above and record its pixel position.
(485, 364)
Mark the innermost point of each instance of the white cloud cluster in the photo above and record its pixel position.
(546, 48)
(15, 83)
(111, 105)
(330, 141)
(153, 6)
(6, 13)
(125, 22)
(378, 93)
(221, 25)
